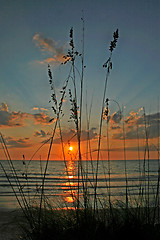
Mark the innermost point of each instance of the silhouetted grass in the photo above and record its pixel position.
(62, 224)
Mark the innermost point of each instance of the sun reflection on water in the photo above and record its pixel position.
(70, 186)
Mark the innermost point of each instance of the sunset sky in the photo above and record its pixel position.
(35, 33)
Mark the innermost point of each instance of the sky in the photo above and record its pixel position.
(35, 33)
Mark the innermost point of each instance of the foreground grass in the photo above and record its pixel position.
(85, 224)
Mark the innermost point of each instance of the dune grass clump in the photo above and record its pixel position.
(63, 224)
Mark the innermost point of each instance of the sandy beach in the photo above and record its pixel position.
(9, 224)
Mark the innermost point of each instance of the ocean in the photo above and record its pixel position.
(61, 181)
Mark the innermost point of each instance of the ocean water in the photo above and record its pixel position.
(61, 181)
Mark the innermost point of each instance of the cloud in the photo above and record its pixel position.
(115, 127)
(4, 107)
(129, 134)
(116, 117)
(41, 118)
(151, 121)
(50, 46)
(71, 136)
(46, 44)
(41, 134)
(17, 119)
(153, 118)
(11, 119)
(53, 60)
(134, 118)
(134, 148)
(17, 142)
(115, 120)
(39, 109)
(35, 108)
(136, 122)
(43, 109)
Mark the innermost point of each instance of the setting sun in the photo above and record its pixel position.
(70, 148)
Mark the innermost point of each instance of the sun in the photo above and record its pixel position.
(70, 148)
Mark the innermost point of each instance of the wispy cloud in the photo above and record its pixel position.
(50, 46)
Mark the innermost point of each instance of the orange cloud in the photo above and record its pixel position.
(50, 46)
(11, 119)
(53, 60)
(41, 118)
(39, 109)
(17, 119)
(4, 107)
(136, 122)
(35, 108)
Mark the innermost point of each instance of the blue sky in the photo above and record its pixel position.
(135, 78)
